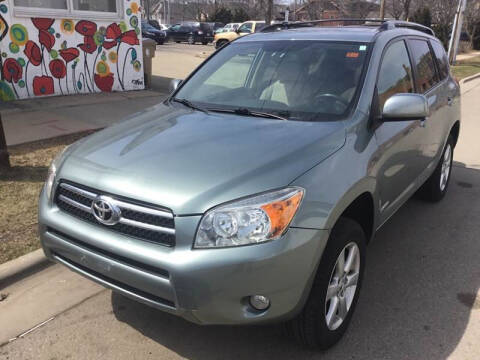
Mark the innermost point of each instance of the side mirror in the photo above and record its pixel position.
(405, 107)
(174, 84)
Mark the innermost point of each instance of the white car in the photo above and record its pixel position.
(229, 27)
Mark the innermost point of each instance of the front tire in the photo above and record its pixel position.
(191, 40)
(436, 185)
(334, 294)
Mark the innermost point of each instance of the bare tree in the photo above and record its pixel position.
(472, 20)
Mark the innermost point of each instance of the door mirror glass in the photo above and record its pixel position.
(405, 107)
(174, 84)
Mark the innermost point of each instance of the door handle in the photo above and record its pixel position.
(450, 101)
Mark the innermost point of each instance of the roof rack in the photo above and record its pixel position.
(383, 24)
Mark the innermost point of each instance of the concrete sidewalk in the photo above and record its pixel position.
(37, 119)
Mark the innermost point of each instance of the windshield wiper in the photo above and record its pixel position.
(189, 104)
(247, 112)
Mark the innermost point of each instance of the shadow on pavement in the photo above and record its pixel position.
(420, 289)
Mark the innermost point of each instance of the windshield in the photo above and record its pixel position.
(299, 80)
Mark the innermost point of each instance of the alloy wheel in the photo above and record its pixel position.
(446, 167)
(342, 286)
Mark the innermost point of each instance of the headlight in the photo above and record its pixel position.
(52, 173)
(253, 220)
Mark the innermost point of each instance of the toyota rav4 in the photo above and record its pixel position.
(251, 193)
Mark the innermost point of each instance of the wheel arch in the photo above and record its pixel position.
(455, 132)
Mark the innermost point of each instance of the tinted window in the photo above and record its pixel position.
(442, 59)
(185, 28)
(395, 74)
(301, 80)
(259, 26)
(423, 62)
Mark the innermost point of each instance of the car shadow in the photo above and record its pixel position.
(420, 288)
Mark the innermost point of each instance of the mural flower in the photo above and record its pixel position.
(115, 34)
(43, 85)
(33, 53)
(18, 34)
(6, 93)
(134, 7)
(43, 23)
(69, 54)
(86, 28)
(67, 26)
(89, 46)
(12, 71)
(58, 69)
(104, 83)
(113, 56)
(46, 39)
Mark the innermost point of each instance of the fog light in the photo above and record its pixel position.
(259, 302)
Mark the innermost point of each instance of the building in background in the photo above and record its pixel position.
(58, 47)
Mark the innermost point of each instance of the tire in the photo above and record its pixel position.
(178, 42)
(191, 40)
(436, 185)
(220, 43)
(310, 327)
(204, 42)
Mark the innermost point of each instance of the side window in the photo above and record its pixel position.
(423, 62)
(259, 26)
(395, 74)
(184, 28)
(442, 59)
(175, 27)
(246, 28)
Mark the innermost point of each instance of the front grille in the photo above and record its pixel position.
(141, 221)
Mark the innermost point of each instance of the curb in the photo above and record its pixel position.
(26, 265)
(470, 78)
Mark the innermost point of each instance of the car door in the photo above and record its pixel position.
(398, 142)
(245, 28)
(428, 83)
(173, 32)
(450, 94)
(183, 33)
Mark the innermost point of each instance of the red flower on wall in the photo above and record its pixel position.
(46, 39)
(69, 54)
(43, 85)
(115, 34)
(88, 45)
(42, 23)
(33, 53)
(104, 83)
(58, 69)
(86, 28)
(12, 71)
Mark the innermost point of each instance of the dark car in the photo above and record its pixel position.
(191, 32)
(149, 32)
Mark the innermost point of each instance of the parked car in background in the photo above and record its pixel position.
(228, 27)
(157, 25)
(191, 32)
(216, 25)
(150, 32)
(245, 28)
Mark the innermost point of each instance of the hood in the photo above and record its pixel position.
(190, 161)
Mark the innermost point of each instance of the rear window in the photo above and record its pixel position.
(424, 64)
(442, 59)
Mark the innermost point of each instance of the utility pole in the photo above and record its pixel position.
(382, 9)
(4, 156)
(456, 31)
(268, 18)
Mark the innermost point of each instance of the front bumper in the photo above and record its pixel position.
(203, 286)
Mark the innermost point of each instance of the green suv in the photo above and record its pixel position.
(251, 193)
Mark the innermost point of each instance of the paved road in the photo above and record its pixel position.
(174, 60)
(420, 298)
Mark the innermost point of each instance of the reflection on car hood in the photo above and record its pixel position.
(190, 161)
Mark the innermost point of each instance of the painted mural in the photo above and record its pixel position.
(43, 56)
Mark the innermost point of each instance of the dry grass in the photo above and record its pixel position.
(466, 68)
(19, 190)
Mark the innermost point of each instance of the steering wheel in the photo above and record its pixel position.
(335, 98)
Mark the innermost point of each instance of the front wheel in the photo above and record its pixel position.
(334, 294)
(191, 40)
(436, 185)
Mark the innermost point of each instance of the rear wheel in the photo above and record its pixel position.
(334, 294)
(191, 40)
(436, 186)
(204, 42)
(220, 43)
